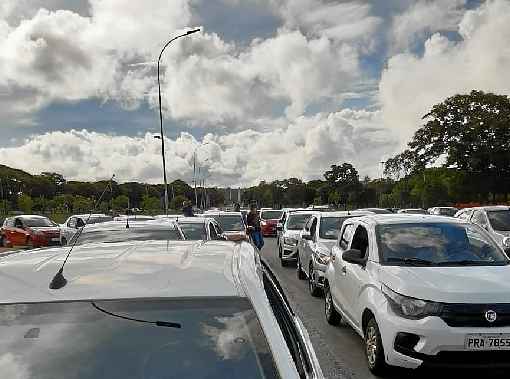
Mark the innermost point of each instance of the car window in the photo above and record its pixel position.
(219, 338)
(194, 230)
(437, 244)
(72, 222)
(360, 240)
(346, 236)
(499, 220)
(479, 218)
(270, 215)
(297, 221)
(308, 224)
(230, 223)
(125, 235)
(37, 222)
(9, 222)
(18, 223)
(330, 227)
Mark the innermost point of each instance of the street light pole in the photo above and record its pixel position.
(161, 114)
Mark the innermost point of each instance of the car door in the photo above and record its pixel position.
(356, 276)
(337, 283)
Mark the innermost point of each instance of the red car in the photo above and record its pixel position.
(29, 231)
(268, 220)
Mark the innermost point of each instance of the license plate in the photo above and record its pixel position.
(487, 342)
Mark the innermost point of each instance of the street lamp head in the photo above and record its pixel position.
(192, 31)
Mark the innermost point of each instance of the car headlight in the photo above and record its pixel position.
(323, 258)
(263, 223)
(409, 307)
(290, 241)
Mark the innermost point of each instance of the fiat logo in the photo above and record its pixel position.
(491, 316)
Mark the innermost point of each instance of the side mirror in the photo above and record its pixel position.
(354, 256)
(306, 236)
(279, 226)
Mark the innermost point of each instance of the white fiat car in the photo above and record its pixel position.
(421, 291)
(148, 309)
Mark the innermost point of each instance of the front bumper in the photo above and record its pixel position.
(439, 345)
(289, 252)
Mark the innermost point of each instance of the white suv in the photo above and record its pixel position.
(289, 236)
(421, 291)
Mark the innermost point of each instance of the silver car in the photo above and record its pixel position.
(494, 219)
(289, 236)
(314, 246)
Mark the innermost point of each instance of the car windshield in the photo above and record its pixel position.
(271, 215)
(220, 338)
(446, 211)
(297, 221)
(97, 219)
(437, 244)
(377, 210)
(500, 220)
(38, 222)
(230, 223)
(194, 231)
(330, 227)
(415, 211)
(125, 235)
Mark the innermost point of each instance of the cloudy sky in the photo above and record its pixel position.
(268, 89)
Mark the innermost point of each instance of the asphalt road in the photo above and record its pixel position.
(339, 348)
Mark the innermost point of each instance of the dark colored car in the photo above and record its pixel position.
(29, 231)
(268, 220)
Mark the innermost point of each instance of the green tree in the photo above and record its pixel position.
(120, 203)
(150, 203)
(82, 204)
(176, 202)
(25, 203)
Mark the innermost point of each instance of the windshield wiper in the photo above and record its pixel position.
(468, 262)
(157, 323)
(411, 261)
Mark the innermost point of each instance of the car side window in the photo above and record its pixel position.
(479, 219)
(286, 321)
(18, 223)
(346, 236)
(360, 240)
(72, 222)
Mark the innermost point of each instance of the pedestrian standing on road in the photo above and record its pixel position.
(253, 224)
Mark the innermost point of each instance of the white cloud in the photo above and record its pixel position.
(425, 16)
(306, 148)
(412, 84)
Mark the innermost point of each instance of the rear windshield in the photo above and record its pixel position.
(297, 221)
(126, 235)
(219, 338)
(230, 223)
(330, 227)
(193, 231)
(38, 222)
(271, 215)
(500, 220)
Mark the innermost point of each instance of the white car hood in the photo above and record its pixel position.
(450, 284)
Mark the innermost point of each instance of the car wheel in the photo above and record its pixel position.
(299, 269)
(332, 316)
(312, 285)
(374, 349)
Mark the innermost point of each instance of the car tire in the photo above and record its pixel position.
(374, 350)
(299, 270)
(315, 291)
(332, 315)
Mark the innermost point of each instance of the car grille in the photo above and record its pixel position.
(473, 315)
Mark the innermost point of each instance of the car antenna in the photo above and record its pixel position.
(59, 280)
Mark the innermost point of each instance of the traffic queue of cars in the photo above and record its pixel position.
(149, 298)
(421, 290)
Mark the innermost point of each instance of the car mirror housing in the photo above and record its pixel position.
(354, 256)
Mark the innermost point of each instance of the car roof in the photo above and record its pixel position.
(195, 220)
(221, 213)
(29, 216)
(343, 213)
(492, 208)
(117, 225)
(155, 269)
(396, 218)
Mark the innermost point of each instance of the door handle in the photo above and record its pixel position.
(344, 270)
